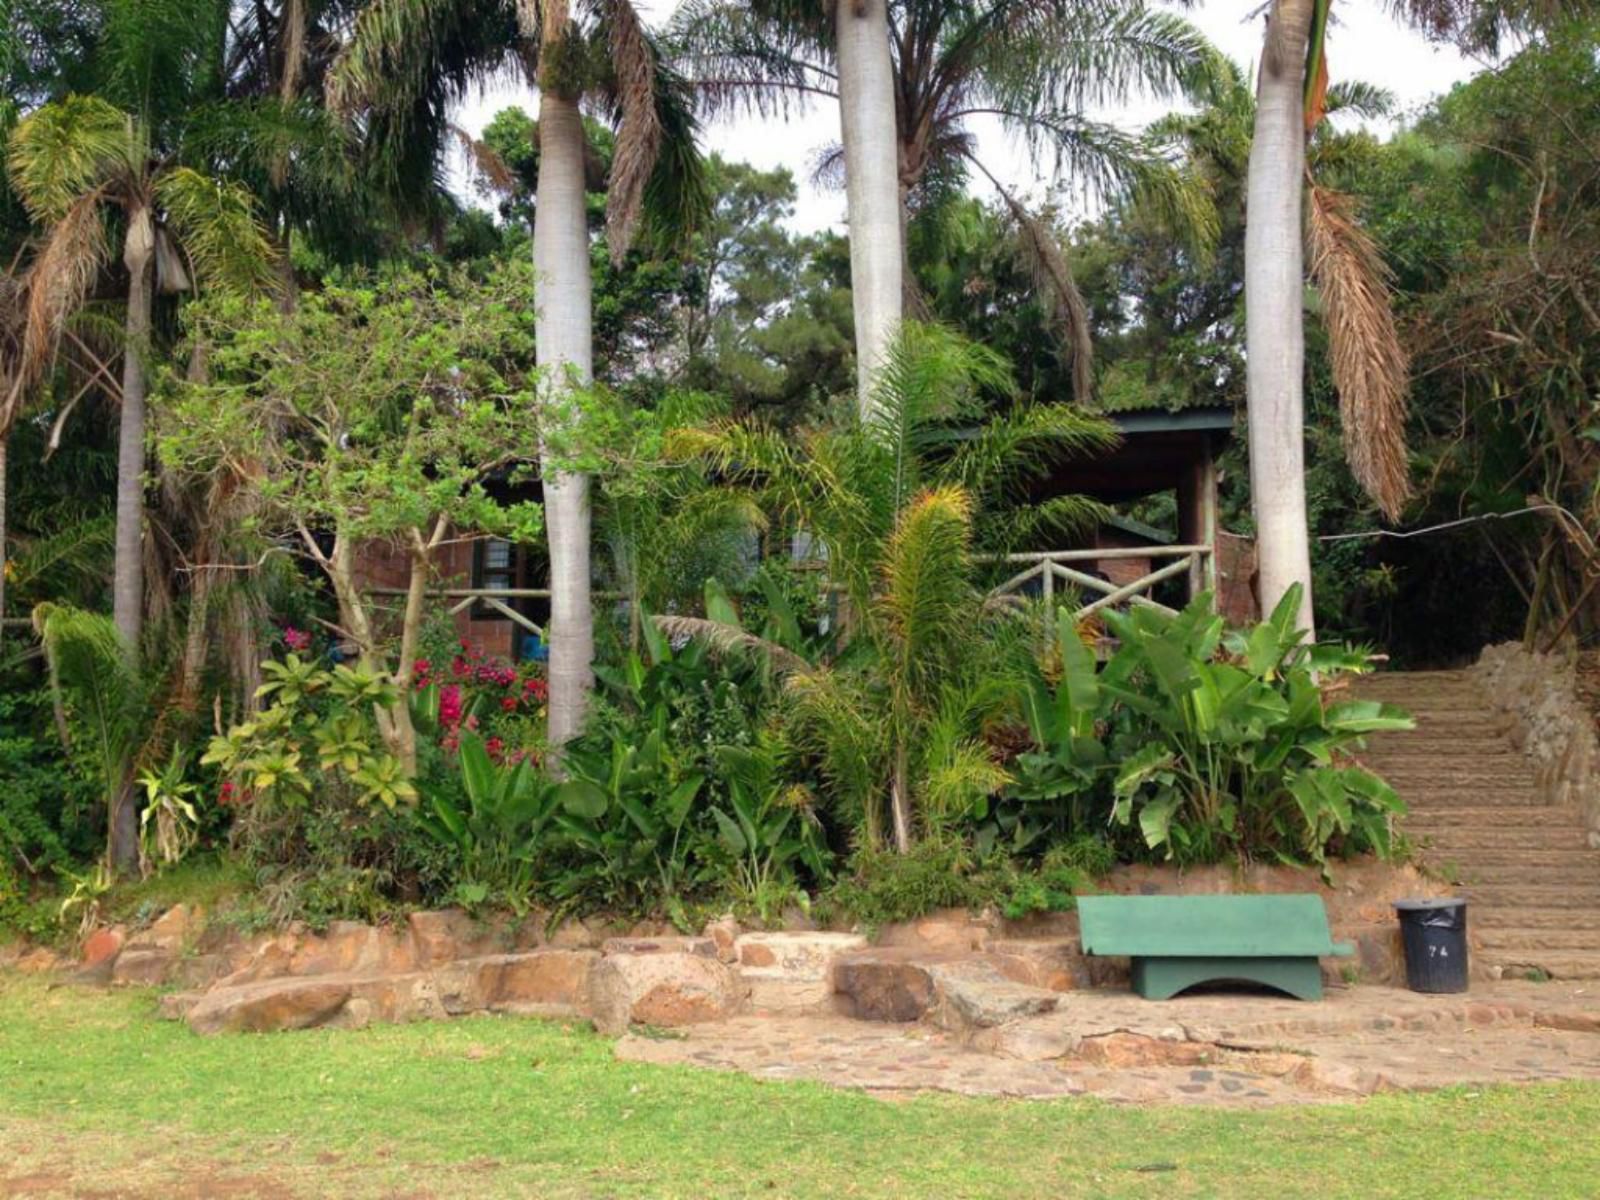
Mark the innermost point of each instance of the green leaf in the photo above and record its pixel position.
(582, 799)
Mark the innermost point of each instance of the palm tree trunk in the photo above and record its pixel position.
(872, 184)
(1274, 283)
(564, 348)
(127, 588)
(5, 445)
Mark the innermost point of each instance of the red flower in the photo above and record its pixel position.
(450, 706)
(226, 796)
(496, 748)
(296, 639)
(508, 703)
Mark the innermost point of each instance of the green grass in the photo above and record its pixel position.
(93, 1089)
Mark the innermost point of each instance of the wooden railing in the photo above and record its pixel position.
(1051, 569)
(495, 598)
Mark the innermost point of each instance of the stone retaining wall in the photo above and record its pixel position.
(1549, 722)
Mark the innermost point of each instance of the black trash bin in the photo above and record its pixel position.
(1435, 936)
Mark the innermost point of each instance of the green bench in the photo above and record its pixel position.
(1176, 942)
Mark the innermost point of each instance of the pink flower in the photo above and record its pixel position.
(450, 705)
(296, 639)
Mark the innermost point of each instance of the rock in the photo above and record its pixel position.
(667, 989)
(137, 967)
(724, 934)
(668, 944)
(269, 1005)
(270, 959)
(288, 1003)
(351, 946)
(103, 943)
(885, 984)
(540, 982)
(1058, 966)
(39, 960)
(1033, 1039)
(449, 934)
(196, 970)
(1123, 1049)
(973, 994)
(576, 934)
(790, 972)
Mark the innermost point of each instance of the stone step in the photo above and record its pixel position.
(1557, 964)
(1494, 816)
(1584, 879)
(1448, 798)
(1481, 785)
(1479, 845)
(1440, 756)
(1521, 941)
(1467, 864)
(959, 990)
(1530, 893)
(1490, 917)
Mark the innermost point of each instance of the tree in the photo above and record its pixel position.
(897, 503)
(405, 61)
(367, 415)
(1036, 65)
(75, 158)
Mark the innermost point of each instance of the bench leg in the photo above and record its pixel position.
(1163, 978)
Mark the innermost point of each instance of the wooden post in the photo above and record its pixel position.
(1197, 517)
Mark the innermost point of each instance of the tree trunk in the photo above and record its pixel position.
(5, 444)
(900, 799)
(127, 588)
(564, 347)
(872, 184)
(1274, 284)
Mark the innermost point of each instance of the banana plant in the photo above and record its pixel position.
(767, 826)
(1227, 739)
(499, 832)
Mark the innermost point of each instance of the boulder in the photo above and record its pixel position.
(288, 1003)
(140, 967)
(105, 942)
(973, 994)
(885, 984)
(1058, 965)
(172, 931)
(724, 934)
(352, 946)
(667, 989)
(670, 944)
(449, 934)
(537, 983)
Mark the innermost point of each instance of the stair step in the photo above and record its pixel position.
(1485, 781)
(1545, 839)
(1507, 941)
(1467, 863)
(1495, 816)
(1584, 878)
(1531, 892)
(1450, 799)
(1490, 917)
(1442, 754)
(1557, 964)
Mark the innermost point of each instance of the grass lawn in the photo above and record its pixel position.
(99, 1098)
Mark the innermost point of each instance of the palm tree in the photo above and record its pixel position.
(406, 61)
(1035, 65)
(1291, 98)
(898, 502)
(70, 162)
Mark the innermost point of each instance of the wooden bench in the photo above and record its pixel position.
(1176, 942)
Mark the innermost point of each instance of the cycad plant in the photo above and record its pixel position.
(104, 707)
(896, 506)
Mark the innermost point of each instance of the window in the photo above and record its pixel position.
(494, 566)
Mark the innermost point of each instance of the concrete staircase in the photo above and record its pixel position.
(1476, 817)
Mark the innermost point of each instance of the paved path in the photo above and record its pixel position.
(1247, 1051)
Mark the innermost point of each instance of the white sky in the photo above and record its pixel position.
(1366, 44)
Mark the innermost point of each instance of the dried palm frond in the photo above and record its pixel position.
(486, 163)
(639, 132)
(730, 639)
(1052, 275)
(1370, 366)
(294, 48)
(60, 279)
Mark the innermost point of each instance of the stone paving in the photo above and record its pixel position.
(1237, 1050)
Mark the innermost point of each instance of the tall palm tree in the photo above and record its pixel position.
(406, 62)
(70, 162)
(1291, 98)
(1035, 65)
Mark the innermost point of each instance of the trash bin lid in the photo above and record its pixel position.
(1429, 905)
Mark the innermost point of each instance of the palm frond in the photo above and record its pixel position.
(730, 639)
(746, 57)
(1369, 363)
(1363, 99)
(1025, 442)
(1058, 291)
(926, 598)
(639, 131)
(68, 148)
(216, 221)
(59, 279)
